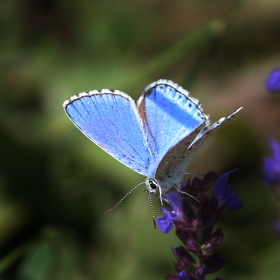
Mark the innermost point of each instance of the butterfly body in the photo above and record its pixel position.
(157, 138)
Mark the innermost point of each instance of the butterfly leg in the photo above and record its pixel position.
(185, 193)
(160, 195)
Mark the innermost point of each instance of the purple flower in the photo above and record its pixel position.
(273, 80)
(165, 223)
(271, 166)
(224, 196)
(194, 220)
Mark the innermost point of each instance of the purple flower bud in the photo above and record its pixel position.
(182, 234)
(184, 259)
(273, 80)
(208, 180)
(200, 272)
(214, 263)
(183, 275)
(213, 245)
(192, 245)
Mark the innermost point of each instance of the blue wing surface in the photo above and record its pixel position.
(169, 115)
(110, 119)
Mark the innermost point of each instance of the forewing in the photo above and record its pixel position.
(169, 115)
(110, 119)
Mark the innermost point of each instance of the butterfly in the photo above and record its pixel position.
(156, 138)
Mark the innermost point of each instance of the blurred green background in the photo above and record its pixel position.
(55, 185)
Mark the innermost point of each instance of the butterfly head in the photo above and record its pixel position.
(153, 187)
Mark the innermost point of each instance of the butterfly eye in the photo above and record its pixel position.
(153, 185)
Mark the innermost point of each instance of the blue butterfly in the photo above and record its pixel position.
(156, 138)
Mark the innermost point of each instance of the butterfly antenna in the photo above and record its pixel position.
(153, 212)
(111, 209)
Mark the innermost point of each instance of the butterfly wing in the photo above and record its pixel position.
(177, 158)
(110, 119)
(169, 116)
